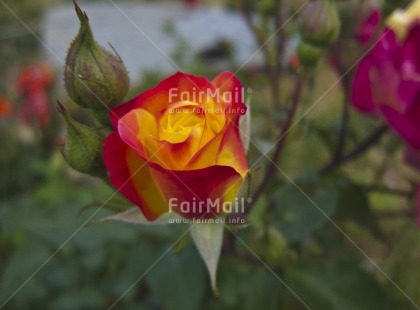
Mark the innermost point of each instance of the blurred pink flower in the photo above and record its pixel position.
(37, 107)
(367, 27)
(387, 83)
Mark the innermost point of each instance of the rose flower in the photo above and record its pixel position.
(179, 140)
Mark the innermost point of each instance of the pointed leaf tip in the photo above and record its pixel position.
(208, 238)
(80, 14)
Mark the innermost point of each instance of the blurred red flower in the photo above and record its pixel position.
(38, 76)
(5, 108)
(33, 82)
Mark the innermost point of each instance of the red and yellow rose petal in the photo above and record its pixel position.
(171, 90)
(217, 152)
(227, 82)
(131, 175)
(225, 149)
(143, 139)
(231, 152)
(207, 155)
(209, 187)
(177, 155)
(215, 121)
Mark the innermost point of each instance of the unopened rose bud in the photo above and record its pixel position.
(308, 54)
(319, 23)
(94, 78)
(83, 147)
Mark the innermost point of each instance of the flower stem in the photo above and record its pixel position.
(390, 191)
(345, 114)
(271, 169)
(358, 150)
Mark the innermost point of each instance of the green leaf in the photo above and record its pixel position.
(245, 286)
(337, 285)
(178, 280)
(402, 265)
(271, 246)
(80, 298)
(18, 274)
(257, 215)
(135, 216)
(130, 267)
(234, 275)
(302, 207)
(208, 238)
(116, 204)
(354, 205)
(264, 294)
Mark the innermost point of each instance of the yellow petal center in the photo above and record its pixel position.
(181, 120)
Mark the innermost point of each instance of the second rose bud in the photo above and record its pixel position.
(319, 23)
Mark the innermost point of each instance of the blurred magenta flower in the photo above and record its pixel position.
(387, 83)
(367, 27)
(401, 20)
